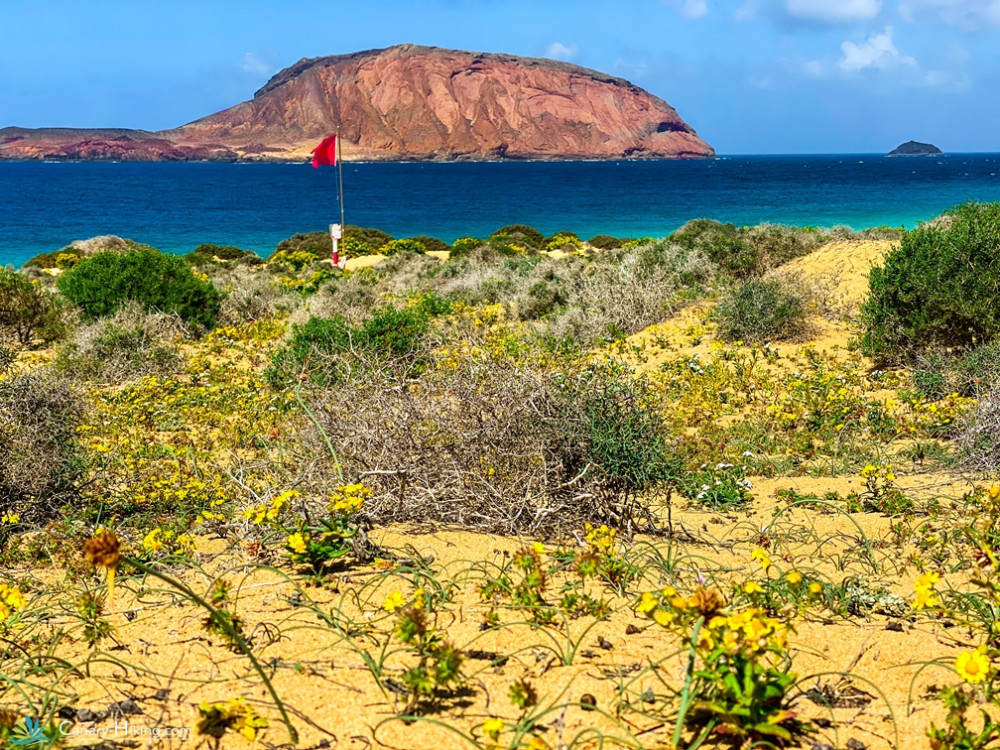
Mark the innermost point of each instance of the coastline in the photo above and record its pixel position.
(178, 206)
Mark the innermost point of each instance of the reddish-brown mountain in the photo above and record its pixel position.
(406, 102)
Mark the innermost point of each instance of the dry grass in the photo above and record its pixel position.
(979, 434)
(130, 344)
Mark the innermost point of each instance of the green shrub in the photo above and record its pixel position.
(506, 244)
(292, 260)
(939, 289)
(40, 461)
(374, 237)
(317, 244)
(605, 242)
(626, 435)
(637, 242)
(978, 371)
(566, 241)
(352, 247)
(28, 310)
(402, 246)
(544, 298)
(101, 284)
(758, 311)
(719, 486)
(323, 350)
(65, 258)
(525, 235)
(309, 349)
(431, 244)
(721, 243)
(463, 246)
(209, 254)
(930, 377)
(747, 251)
(357, 241)
(558, 235)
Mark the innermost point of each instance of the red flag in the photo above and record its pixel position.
(326, 152)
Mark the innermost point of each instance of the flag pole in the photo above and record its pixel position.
(340, 177)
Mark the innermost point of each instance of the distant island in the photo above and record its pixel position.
(404, 103)
(913, 148)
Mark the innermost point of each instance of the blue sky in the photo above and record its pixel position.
(751, 76)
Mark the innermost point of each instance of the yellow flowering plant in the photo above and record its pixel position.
(215, 719)
(977, 671)
(881, 495)
(317, 543)
(738, 675)
(11, 601)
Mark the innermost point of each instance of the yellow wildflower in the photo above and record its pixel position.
(927, 581)
(493, 726)
(760, 555)
(794, 578)
(152, 541)
(705, 640)
(973, 666)
(815, 588)
(298, 543)
(647, 604)
(393, 601)
(663, 618)
(717, 622)
(752, 587)
(924, 598)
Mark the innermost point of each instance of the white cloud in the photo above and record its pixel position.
(834, 11)
(970, 15)
(688, 8)
(877, 52)
(560, 51)
(878, 63)
(253, 64)
(814, 68)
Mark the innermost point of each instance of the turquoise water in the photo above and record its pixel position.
(176, 207)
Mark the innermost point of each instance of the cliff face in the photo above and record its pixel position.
(102, 145)
(409, 102)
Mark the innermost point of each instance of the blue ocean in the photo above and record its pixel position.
(176, 207)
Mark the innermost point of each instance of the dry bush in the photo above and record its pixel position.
(39, 463)
(352, 297)
(250, 293)
(978, 435)
(128, 345)
(496, 447)
(618, 293)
